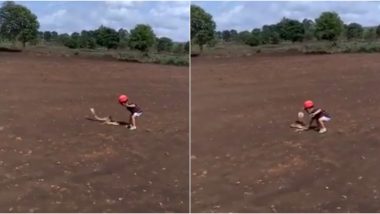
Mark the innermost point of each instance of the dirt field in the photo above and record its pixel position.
(54, 160)
(245, 158)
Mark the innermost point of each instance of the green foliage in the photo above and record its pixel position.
(255, 38)
(87, 39)
(18, 23)
(270, 35)
(244, 36)
(202, 26)
(291, 30)
(370, 34)
(47, 36)
(123, 38)
(226, 35)
(107, 37)
(178, 48)
(329, 26)
(141, 38)
(378, 31)
(218, 35)
(187, 47)
(164, 44)
(309, 29)
(154, 58)
(354, 31)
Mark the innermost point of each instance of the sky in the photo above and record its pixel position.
(248, 15)
(169, 19)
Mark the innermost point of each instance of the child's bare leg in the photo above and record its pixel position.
(321, 124)
(322, 127)
(130, 120)
(133, 120)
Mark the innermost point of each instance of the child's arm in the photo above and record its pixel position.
(130, 105)
(315, 113)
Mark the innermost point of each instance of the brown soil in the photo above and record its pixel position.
(54, 160)
(245, 158)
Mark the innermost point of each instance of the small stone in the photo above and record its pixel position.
(19, 138)
(360, 178)
(326, 187)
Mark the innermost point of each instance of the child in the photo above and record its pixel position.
(316, 114)
(131, 107)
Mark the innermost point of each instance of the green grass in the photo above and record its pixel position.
(121, 55)
(314, 47)
(165, 59)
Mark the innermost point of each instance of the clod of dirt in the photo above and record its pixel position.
(19, 138)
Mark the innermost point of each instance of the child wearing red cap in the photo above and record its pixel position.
(316, 114)
(135, 110)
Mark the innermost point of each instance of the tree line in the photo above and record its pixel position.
(19, 24)
(328, 26)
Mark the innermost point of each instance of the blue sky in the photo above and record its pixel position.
(249, 15)
(170, 19)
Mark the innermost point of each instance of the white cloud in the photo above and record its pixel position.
(169, 19)
(249, 15)
(54, 17)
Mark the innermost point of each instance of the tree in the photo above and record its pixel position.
(244, 36)
(328, 26)
(226, 35)
(164, 44)
(234, 35)
(255, 38)
(370, 34)
(47, 36)
(187, 47)
(107, 37)
(378, 31)
(123, 38)
(218, 35)
(202, 26)
(354, 31)
(18, 23)
(141, 38)
(291, 30)
(178, 48)
(270, 35)
(54, 35)
(309, 29)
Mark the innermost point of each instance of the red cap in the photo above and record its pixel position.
(308, 104)
(123, 99)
